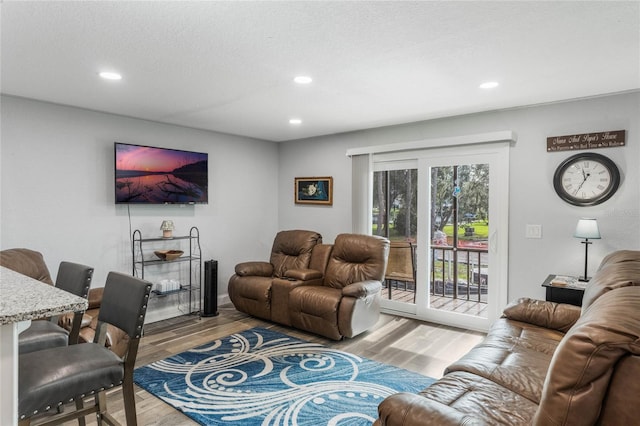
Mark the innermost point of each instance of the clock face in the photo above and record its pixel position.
(586, 179)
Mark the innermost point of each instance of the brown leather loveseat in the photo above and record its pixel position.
(545, 363)
(330, 290)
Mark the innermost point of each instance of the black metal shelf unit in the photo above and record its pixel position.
(193, 256)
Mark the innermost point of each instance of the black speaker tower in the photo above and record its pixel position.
(210, 288)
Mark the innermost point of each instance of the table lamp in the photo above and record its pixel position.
(587, 229)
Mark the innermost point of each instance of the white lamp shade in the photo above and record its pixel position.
(587, 228)
(167, 225)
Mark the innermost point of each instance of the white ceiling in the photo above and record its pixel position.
(228, 66)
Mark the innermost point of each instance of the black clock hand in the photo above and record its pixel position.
(578, 188)
(583, 181)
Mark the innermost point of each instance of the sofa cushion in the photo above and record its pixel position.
(508, 333)
(315, 308)
(356, 258)
(557, 316)
(620, 256)
(582, 366)
(513, 355)
(403, 409)
(618, 269)
(292, 250)
(27, 262)
(480, 398)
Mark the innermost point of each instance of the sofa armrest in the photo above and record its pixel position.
(259, 269)
(303, 274)
(408, 409)
(95, 297)
(362, 289)
(556, 316)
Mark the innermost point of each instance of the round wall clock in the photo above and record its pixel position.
(586, 179)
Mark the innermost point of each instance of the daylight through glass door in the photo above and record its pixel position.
(394, 216)
(459, 243)
(456, 263)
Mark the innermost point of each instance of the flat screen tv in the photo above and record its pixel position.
(150, 175)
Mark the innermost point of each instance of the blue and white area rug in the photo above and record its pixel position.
(261, 377)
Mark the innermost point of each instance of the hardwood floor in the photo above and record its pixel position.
(461, 306)
(411, 344)
(443, 303)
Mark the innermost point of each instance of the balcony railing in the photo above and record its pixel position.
(470, 276)
(459, 272)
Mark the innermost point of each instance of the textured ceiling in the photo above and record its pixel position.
(228, 66)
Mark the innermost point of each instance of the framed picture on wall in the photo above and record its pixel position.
(314, 190)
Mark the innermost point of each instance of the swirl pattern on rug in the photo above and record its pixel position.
(261, 377)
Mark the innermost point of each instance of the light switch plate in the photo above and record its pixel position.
(533, 231)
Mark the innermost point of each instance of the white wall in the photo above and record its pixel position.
(532, 197)
(56, 180)
(57, 194)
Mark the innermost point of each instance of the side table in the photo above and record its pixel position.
(564, 289)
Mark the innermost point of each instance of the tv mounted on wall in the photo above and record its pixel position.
(150, 175)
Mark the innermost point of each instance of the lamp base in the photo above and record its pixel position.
(586, 243)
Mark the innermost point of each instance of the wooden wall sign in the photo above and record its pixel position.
(586, 141)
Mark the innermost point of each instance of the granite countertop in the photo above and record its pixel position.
(22, 298)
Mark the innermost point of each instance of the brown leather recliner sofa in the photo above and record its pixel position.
(329, 289)
(545, 363)
(31, 263)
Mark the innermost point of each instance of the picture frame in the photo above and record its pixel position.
(313, 190)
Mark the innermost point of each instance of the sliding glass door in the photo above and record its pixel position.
(445, 214)
(395, 216)
(459, 239)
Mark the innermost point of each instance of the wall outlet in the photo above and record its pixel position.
(533, 231)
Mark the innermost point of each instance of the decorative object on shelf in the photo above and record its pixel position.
(166, 286)
(587, 229)
(168, 254)
(313, 190)
(567, 281)
(586, 179)
(167, 228)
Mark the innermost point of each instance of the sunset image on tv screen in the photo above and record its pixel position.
(150, 175)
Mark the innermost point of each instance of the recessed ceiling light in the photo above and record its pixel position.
(303, 79)
(489, 85)
(295, 121)
(110, 75)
